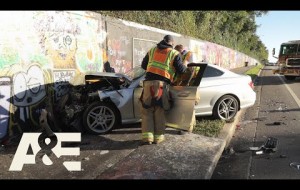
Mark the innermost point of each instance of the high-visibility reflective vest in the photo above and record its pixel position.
(161, 62)
(186, 57)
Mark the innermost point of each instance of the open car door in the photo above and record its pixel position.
(185, 94)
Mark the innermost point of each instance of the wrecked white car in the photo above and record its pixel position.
(108, 100)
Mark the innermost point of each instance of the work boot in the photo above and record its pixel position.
(183, 132)
(158, 141)
(147, 142)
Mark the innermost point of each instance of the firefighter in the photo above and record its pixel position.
(187, 57)
(161, 63)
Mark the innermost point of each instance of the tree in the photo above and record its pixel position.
(233, 29)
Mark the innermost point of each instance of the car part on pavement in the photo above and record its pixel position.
(295, 165)
(269, 146)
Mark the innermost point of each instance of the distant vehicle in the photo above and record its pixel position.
(288, 60)
(270, 64)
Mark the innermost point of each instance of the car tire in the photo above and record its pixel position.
(226, 108)
(100, 118)
(290, 77)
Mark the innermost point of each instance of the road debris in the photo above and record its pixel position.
(104, 152)
(282, 156)
(295, 165)
(279, 123)
(269, 146)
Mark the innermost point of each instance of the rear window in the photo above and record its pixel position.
(212, 72)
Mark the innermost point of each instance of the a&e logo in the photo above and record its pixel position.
(48, 144)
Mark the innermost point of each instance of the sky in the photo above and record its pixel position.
(277, 27)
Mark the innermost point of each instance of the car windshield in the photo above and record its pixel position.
(288, 49)
(135, 73)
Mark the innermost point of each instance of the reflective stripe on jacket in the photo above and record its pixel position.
(161, 62)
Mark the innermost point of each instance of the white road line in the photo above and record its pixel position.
(291, 91)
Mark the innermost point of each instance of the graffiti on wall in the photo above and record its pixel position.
(71, 41)
(61, 80)
(219, 55)
(28, 86)
(5, 94)
(117, 53)
(38, 49)
(197, 47)
(91, 44)
(140, 49)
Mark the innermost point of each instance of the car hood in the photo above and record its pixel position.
(104, 74)
(80, 78)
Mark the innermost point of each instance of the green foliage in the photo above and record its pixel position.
(254, 71)
(233, 29)
(209, 128)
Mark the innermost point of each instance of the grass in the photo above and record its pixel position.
(254, 71)
(208, 127)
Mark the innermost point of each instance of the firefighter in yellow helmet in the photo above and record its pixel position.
(161, 63)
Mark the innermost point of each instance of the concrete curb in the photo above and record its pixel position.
(225, 135)
(229, 128)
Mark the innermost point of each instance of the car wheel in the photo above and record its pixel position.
(100, 118)
(226, 108)
(290, 77)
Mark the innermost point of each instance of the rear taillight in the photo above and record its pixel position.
(251, 84)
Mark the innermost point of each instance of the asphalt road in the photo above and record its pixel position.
(275, 114)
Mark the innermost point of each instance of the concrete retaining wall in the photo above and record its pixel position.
(40, 51)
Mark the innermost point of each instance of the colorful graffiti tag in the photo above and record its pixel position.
(219, 55)
(118, 53)
(40, 51)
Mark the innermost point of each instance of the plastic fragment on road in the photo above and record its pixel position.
(295, 165)
(282, 156)
(255, 148)
(271, 144)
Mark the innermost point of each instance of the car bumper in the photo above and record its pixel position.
(248, 101)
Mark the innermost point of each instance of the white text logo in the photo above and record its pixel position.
(39, 142)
